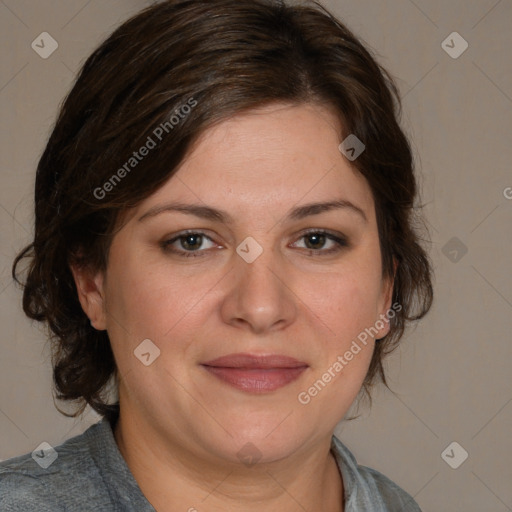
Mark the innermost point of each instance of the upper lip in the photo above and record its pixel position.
(253, 361)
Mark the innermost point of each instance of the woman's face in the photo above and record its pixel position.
(250, 283)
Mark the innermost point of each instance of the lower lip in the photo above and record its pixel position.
(257, 380)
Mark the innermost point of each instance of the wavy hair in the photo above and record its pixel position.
(230, 56)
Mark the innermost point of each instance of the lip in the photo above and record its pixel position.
(256, 373)
(255, 361)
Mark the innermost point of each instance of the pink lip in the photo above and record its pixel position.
(254, 373)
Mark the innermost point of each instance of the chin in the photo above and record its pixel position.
(265, 438)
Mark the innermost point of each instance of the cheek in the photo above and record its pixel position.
(346, 351)
(148, 300)
(354, 313)
(348, 301)
(133, 304)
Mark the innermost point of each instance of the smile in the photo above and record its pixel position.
(256, 374)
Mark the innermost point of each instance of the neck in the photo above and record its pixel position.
(174, 478)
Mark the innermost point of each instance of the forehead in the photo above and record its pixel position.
(267, 160)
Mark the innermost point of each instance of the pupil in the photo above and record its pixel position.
(191, 237)
(317, 237)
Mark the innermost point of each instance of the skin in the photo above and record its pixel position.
(180, 428)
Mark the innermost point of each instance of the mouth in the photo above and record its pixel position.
(256, 373)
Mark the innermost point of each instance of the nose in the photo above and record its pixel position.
(260, 294)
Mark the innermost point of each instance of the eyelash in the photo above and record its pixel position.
(340, 241)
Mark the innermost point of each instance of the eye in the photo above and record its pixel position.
(315, 241)
(190, 242)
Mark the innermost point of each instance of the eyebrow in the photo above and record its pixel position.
(217, 215)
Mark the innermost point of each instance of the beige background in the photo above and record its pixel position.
(452, 375)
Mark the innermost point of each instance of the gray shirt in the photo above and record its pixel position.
(88, 473)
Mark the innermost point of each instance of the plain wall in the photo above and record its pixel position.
(451, 376)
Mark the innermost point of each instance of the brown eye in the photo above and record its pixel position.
(193, 241)
(186, 244)
(315, 242)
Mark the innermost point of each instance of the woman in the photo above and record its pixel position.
(223, 239)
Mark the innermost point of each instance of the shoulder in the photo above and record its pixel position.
(45, 479)
(367, 487)
(24, 485)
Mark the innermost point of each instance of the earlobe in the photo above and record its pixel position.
(90, 292)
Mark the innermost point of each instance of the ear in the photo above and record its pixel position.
(383, 324)
(91, 295)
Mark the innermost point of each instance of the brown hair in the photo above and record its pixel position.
(220, 57)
